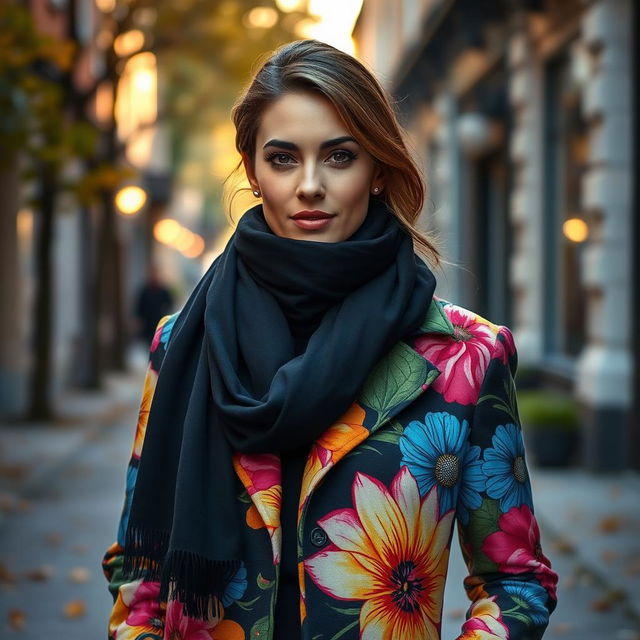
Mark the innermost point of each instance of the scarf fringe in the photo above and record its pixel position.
(198, 583)
(144, 553)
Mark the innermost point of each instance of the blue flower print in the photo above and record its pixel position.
(437, 453)
(506, 470)
(166, 329)
(236, 587)
(529, 602)
(132, 474)
(473, 484)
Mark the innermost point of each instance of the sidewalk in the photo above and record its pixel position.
(595, 519)
(30, 453)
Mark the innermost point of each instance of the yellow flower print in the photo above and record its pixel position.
(391, 552)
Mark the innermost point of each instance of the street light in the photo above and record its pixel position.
(130, 200)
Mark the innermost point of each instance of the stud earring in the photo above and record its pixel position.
(376, 190)
(256, 193)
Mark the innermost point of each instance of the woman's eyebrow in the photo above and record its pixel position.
(283, 144)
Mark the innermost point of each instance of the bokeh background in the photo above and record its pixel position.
(117, 167)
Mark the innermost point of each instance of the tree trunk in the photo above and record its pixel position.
(40, 402)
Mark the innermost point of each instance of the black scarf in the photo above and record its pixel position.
(231, 381)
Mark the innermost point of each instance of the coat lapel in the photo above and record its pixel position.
(396, 381)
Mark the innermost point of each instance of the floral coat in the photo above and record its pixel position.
(433, 439)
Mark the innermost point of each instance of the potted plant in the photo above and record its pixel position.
(551, 424)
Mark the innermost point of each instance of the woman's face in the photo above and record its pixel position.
(313, 176)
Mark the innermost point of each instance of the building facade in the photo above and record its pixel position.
(523, 114)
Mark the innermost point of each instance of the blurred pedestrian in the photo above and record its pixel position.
(318, 418)
(153, 301)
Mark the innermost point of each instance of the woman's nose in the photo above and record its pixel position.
(311, 185)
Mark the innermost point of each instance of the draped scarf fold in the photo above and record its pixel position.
(231, 381)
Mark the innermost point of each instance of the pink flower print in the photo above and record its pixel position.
(505, 348)
(179, 626)
(144, 609)
(262, 470)
(516, 547)
(462, 361)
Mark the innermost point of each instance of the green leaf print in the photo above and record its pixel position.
(340, 633)
(354, 611)
(248, 605)
(482, 523)
(436, 320)
(507, 404)
(393, 380)
(263, 583)
(260, 629)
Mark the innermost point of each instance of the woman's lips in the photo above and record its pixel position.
(312, 220)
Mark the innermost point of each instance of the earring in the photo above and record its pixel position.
(256, 193)
(376, 190)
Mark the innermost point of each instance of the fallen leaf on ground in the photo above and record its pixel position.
(40, 574)
(54, 538)
(563, 545)
(79, 548)
(16, 618)
(75, 609)
(610, 524)
(79, 574)
(605, 602)
(5, 574)
(13, 471)
(7, 502)
(561, 628)
(455, 614)
(609, 555)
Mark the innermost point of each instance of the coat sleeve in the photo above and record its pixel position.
(136, 612)
(510, 582)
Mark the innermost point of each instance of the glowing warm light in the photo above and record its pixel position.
(104, 102)
(137, 107)
(172, 234)
(195, 248)
(575, 229)
(24, 224)
(184, 240)
(129, 42)
(167, 230)
(305, 28)
(130, 200)
(336, 21)
(261, 17)
(290, 5)
(223, 150)
(144, 80)
(106, 6)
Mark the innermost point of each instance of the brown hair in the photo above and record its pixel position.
(362, 104)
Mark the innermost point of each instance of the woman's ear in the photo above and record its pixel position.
(379, 178)
(248, 169)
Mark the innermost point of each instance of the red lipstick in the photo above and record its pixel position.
(312, 220)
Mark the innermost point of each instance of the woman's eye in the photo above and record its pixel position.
(279, 159)
(342, 157)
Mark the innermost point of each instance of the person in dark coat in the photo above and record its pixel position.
(153, 301)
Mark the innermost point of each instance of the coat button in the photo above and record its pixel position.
(318, 537)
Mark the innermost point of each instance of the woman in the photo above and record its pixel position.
(320, 419)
